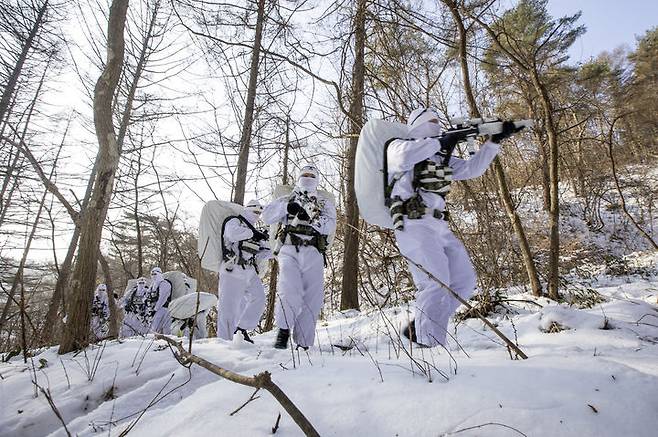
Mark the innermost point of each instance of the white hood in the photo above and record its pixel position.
(308, 184)
(419, 123)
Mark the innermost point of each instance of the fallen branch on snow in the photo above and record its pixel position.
(482, 426)
(262, 380)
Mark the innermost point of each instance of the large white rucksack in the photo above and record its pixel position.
(210, 245)
(371, 174)
(185, 307)
(181, 284)
(286, 190)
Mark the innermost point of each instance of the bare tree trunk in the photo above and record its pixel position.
(58, 299)
(18, 277)
(545, 174)
(274, 264)
(114, 317)
(16, 72)
(552, 136)
(59, 295)
(349, 297)
(139, 70)
(125, 124)
(579, 184)
(22, 305)
(503, 189)
(245, 140)
(13, 166)
(554, 213)
(138, 226)
(76, 331)
(10, 193)
(619, 191)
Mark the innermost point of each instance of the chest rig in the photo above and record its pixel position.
(297, 226)
(428, 176)
(433, 177)
(98, 307)
(136, 303)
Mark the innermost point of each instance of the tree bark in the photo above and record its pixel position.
(349, 298)
(76, 331)
(138, 226)
(58, 299)
(22, 309)
(499, 172)
(245, 140)
(274, 264)
(554, 213)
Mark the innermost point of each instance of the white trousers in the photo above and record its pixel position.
(430, 243)
(133, 325)
(161, 321)
(241, 300)
(301, 292)
(100, 327)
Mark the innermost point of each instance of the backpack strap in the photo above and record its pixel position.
(171, 286)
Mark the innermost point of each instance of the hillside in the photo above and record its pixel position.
(591, 371)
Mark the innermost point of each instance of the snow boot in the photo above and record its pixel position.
(299, 346)
(410, 333)
(282, 339)
(245, 335)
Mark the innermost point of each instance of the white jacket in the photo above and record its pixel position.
(403, 155)
(324, 223)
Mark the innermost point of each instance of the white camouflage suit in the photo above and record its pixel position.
(428, 241)
(100, 313)
(301, 269)
(134, 307)
(241, 294)
(162, 319)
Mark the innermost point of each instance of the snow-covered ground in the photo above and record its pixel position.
(590, 372)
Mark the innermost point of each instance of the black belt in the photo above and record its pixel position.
(298, 241)
(441, 215)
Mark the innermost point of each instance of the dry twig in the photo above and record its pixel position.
(261, 380)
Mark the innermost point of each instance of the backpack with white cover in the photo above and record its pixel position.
(286, 190)
(371, 174)
(211, 241)
(185, 307)
(181, 284)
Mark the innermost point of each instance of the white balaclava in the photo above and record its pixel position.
(156, 275)
(423, 123)
(141, 286)
(308, 179)
(252, 211)
(101, 289)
